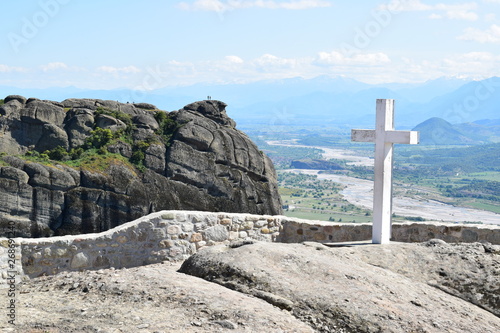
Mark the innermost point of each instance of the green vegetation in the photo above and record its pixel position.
(93, 154)
(458, 175)
(126, 118)
(99, 138)
(91, 159)
(2, 102)
(481, 158)
(167, 127)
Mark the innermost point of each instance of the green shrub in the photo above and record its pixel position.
(98, 138)
(2, 102)
(137, 157)
(168, 126)
(76, 153)
(139, 153)
(58, 154)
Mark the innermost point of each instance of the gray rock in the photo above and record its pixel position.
(14, 174)
(18, 98)
(52, 137)
(203, 163)
(155, 158)
(212, 109)
(360, 289)
(121, 148)
(146, 121)
(43, 112)
(80, 103)
(13, 106)
(145, 106)
(109, 122)
(217, 233)
(111, 105)
(78, 125)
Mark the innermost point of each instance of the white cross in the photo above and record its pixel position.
(384, 137)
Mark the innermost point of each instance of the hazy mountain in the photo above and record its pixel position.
(320, 101)
(425, 92)
(437, 131)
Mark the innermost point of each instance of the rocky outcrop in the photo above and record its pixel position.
(425, 287)
(116, 162)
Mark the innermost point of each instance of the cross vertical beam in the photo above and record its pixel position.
(384, 136)
(382, 187)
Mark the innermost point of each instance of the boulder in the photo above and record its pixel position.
(78, 125)
(20, 99)
(345, 289)
(12, 106)
(109, 122)
(52, 136)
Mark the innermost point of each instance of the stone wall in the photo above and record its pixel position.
(296, 231)
(175, 235)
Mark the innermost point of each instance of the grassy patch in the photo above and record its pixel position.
(92, 159)
(495, 208)
(328, 216)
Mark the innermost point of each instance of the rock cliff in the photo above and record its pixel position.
(87, 165)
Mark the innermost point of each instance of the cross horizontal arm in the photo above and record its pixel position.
(406, 137)
(362, 135)
(391, 136)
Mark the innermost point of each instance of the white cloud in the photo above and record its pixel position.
(491, 35)
(492, 1)
(405, 6)
(462, 11)
(272, 60)
(472, 64)
(115, 70)
(9, 69)
(234, 59)
(365, 59)
(220, 6)
(491, 17)
(459, 12)
(53, 66)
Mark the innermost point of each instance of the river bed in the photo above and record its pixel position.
(360, 192)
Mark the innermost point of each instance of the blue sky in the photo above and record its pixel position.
(151, 44)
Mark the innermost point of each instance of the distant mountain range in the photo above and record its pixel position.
(320, 101)
(437, 131)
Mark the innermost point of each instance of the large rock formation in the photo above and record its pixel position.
(115, 162)
(428, 287)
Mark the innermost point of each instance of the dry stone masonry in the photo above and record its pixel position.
(176, 235)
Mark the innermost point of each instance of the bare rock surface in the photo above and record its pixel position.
(372, 288)
(272, 287)
(146, 299)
